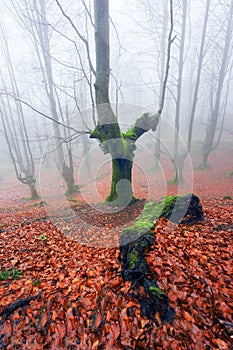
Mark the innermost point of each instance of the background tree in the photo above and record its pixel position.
(176, 155)
(15, 131)
(201, 54)
(223, 62)
(33, 16)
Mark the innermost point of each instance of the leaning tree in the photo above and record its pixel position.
(120, 145)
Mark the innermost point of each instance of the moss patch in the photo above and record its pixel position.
(156, 291)
(133, 258)
(227, 197)
(152, 211)
(229, 173)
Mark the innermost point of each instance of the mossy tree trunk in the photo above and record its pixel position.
(121, 146)
(121, 193)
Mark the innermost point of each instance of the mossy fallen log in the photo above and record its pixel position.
(134, 242)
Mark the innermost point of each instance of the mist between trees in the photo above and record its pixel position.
(60, 59)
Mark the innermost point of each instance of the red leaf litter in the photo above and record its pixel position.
(79, 298)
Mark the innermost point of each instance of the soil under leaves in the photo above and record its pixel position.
(80, 300)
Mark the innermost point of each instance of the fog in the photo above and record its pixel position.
(47, 75)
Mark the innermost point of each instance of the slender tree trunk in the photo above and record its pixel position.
(198, 78)
(211, 129)
(176, 179)
(162, 68)
(196, 89)
(20, 152)
(39, 30)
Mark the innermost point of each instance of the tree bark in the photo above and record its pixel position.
(121, 193)
(176, 156)
(67, 173)
(121, 146)
(34, 193)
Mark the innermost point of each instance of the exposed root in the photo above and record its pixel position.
(135, 241)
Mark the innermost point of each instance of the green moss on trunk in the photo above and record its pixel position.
(121, 193)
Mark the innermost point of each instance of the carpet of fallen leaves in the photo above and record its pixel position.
(80, 300)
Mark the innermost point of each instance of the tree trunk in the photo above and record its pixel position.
(67, 173)
(121, 193)
(34, 193)
(211, 129)
(120, 145)
(178, 170)
(40, 33)
(162, 68)
(176, 152)
(205, 157)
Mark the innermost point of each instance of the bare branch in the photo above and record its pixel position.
(89, 13)
(41, 113)
(84, 40)
(170, 41)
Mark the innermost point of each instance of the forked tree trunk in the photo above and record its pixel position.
(121, 193)
(121, 146)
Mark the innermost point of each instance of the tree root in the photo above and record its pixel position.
(135, 241)
(9, 309)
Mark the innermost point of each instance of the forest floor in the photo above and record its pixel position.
(62, 293)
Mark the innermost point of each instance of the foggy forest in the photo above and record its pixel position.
(116, 176)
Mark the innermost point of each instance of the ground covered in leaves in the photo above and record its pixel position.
(61, 294)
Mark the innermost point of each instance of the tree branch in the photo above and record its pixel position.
(84, 40)
(41, 113)
(147, 121)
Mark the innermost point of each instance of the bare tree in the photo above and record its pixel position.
(14, 125)
(176, 156)
(201, 54)
(225, 53)
(33, 17)
(162, 69)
